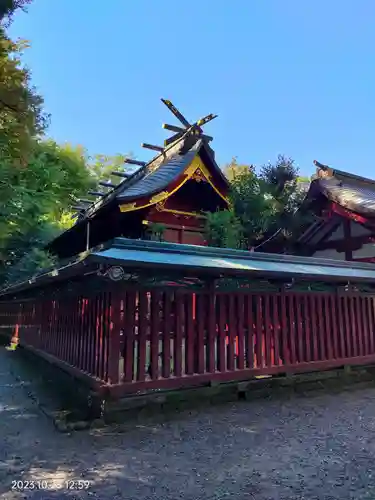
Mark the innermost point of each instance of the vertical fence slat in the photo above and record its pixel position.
(327, 308)
(221, 303)
(340, 314)
(292, 328)
(90, 336)
(365, 324)
(346, 326)
(276, 327)
(335, 343)
(267, 328)
(353, 323)
(99, 328)
(321, 327)
(201, 317)
(360, 325)
(314, 328)
(177, 344)
(307, 325)
(300, 337)
(142, 335)
(211, 333)
(154, 334)
(250, 332)
(258, 331)
(99, 333)
(190, 334)
(232, 333)
(106, 329)
(284, 330)
(54, 329)
(371, 315)
(166, 356)
(240, 331)
(83, 334)
(129, 335)
(96, 332)
(114, 340)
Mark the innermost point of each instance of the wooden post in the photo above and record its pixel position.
(114, 339)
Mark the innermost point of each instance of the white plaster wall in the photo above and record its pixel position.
(358, 230)
(367, 250)
(338, 234)
(355, 230)
(329, 253)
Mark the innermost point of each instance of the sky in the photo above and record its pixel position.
(284, 76)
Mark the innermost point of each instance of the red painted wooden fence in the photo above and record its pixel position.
(133, 340)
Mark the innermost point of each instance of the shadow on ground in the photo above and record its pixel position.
(317, 447)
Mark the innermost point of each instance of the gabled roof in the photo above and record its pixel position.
(154, 180)
(163, 170)
(350, 191)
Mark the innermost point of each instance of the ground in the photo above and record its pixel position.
(317, 447)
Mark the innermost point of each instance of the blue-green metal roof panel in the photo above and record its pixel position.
(247, 265)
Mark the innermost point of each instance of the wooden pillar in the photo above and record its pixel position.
(347, 240)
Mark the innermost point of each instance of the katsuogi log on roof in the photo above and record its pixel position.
(173, 190)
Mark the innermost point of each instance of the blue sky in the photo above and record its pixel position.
(285, 76)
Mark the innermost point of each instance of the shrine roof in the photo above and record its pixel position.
(155, 179)
(217, 262)
(159, 173)
(350, 191)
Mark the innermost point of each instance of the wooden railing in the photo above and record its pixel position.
(132, 339)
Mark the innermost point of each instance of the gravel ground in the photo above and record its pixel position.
(322, 447)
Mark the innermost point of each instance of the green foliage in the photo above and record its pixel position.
(8, 7)
(224, 229)
(39, 180)
(36, 199)
(261, 205)
(235, 169)
(101, 167)
(21, 114)
(30, 264)
(157, 231)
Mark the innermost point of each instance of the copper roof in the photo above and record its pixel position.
(348, 190)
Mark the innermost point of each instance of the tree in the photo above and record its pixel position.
(261, 205)
(39, 198)
(224, 229)
(235, 169)
(39, 179)
(281, 181)
(8, 7)
(102, 166)
(21, 107)
(21, 119)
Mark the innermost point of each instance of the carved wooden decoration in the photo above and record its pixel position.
(198, 176)
(127, 207)
(160, 206)
(159, 197)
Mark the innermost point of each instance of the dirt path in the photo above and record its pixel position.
(317, 448)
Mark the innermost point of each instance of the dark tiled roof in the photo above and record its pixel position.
(155, 180)
(158, 173)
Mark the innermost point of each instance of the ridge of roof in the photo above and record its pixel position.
(342, 174)
(155, 162)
